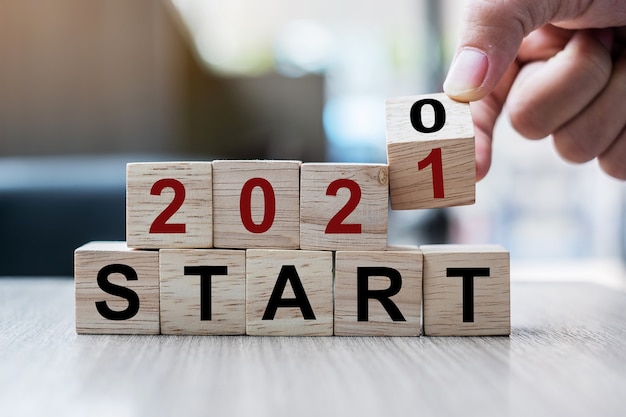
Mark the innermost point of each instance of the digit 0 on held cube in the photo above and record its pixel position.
(289, 248)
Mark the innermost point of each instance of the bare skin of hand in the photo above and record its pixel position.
(560, 68)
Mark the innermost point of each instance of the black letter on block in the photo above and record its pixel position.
(113, 289)
(364, 293)
(205, 272)
(416, 115)
(288, 273)
(468, 275)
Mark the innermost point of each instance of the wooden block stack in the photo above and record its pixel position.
(290, 248)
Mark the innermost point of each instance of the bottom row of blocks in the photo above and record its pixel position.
(464, 291)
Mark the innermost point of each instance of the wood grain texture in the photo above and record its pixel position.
(408, 300)
(318, 206)
(413, 188)
(229, 178)
(458, 123)
(181, 291)
(314, 270)
(89, 259)
(566, 356)
(143, 207)
(443, 294)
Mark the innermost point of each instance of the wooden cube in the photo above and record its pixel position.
(343, 206)
(466, 290)
(289, 293)
(117, 289)
(169, 205)
(378, 293)
(256, 204)
(203, 291)
(430, 151)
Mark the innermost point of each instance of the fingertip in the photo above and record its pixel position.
(466, 75)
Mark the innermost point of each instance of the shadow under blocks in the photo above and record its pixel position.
(285, 248)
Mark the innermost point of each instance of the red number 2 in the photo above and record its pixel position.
(434, 160)
(160, 224)
(336, 225)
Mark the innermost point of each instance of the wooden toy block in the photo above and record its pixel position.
(117, 289)
(203, 291)
(378, 293)
(289, 293)
(169, 205)
(430, 151)
(343, 206)
(466, 290)
(256, 204)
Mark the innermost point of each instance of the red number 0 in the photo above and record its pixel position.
(245, 205)
(336, 225)
(434, 160)
(160, 224)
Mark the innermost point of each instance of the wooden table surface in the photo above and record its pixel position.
(566, 356)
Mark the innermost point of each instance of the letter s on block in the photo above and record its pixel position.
(114, 289)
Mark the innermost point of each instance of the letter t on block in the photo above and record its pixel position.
(430, 151)
(466, 290)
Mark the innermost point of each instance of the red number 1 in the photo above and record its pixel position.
(434, 161)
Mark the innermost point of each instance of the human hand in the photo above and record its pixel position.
(560, 67)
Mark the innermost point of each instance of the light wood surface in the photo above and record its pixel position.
(566, 356)
(283, 181)
(192, 210)
(327, 189)
(139, 278)
(183, 306)
(444, 291)
(313, 269)
(419, 178)
(458, 120)
(407, 264)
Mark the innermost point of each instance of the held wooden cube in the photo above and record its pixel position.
(256, 204)
(117, 289)
(203, 291)
(430, 151)
(466, 290)
(289, 293)
(378, 293)
(343, 206)
(169, 205)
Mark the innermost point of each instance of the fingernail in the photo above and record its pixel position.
(467, 72)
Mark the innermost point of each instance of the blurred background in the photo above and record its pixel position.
(86, 86)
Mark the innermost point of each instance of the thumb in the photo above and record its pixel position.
(492, 34)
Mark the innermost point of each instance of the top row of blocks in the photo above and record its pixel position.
(288, 204)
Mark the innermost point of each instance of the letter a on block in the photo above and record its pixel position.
(430, 151)
(289, 293)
